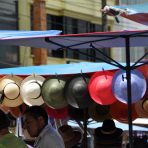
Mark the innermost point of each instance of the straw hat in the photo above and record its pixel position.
(53, 92)
(142, 107)
(119, 86)
(10, 85)
(99, 112)
(108, 133)
(100, 88)
(76, 91)
(31, 90)
(119, 111)
(70, 136)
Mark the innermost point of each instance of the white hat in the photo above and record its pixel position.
(10, 85)
(31, 90)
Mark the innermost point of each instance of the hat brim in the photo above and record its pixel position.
(101, 137)
(77, 114)
(76, 138)
(76, 91)
(139, 109)
(53, 92)
(119, 111)
(99, 115)
(57, 113)
(26, 98)
(100, 88)
(5, 80)
(119, 86)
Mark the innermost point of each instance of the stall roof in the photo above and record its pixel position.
(50, 39)
(137, 12)
(59, 69)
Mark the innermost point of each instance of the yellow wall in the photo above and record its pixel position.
(88, 10)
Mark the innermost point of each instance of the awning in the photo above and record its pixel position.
(137, 12)
(58, 69)
(50, 39)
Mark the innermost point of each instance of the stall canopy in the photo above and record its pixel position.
(137, 13)
(50, 39)
(58, 69)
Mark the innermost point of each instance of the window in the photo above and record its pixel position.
(73, 26)
(9, 56)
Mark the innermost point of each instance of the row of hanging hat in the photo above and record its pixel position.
(105, 89)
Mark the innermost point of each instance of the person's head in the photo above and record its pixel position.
(35, 119)
(4, 121)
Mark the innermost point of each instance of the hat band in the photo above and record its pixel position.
(107, 133)
(40, 89)
(5, 96)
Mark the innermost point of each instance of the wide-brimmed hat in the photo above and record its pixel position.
(119, 111)
(108, 133)
(53, 92)
(76, 91)
(61, 113)
(10, 86)
(99, 112)
(119, 85)
(31, 90)
(77, 114)
(142, 107)
(70, 136)
(100, 88)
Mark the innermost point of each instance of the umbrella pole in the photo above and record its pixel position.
(129, 96)
(84, 141)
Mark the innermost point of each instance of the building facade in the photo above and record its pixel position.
(70, 16)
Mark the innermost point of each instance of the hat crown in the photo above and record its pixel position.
(33, 89)
(11, 90)
(108, 125)
(145, 105)
(67, 132)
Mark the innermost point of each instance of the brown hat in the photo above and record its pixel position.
(10, 85)
(99, 112)
(71, 137)
(142, 107)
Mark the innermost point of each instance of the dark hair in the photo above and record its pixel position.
(4, 120)
(37, 111)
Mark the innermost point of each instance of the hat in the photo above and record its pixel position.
(100, 88)
(70, 136)
(99, 112)
(142, 107)
(119, 111)
(76, 91)
(77, 114)
(108, 133)
(119, 85)
(57, 113)
(10, 85)
(31, 90)
(53, 92)
(17, 111)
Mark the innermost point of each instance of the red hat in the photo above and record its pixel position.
(119, 111)
(100, 88)
(57, 113)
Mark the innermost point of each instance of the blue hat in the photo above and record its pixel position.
(119, 85)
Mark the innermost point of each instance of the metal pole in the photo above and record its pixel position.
(128, 75)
